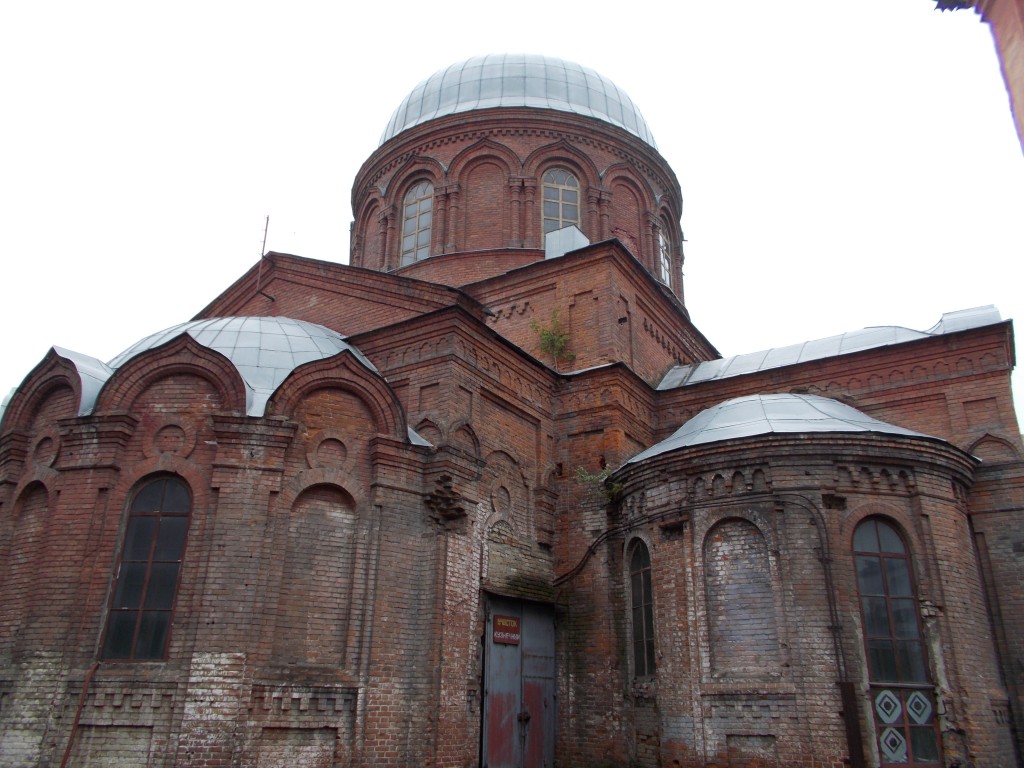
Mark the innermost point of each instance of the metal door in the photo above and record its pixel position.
(519, 685)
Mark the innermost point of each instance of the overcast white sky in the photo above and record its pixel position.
(842, 164)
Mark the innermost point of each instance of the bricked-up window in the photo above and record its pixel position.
(664, 255)
(561, 200)
(902, 696)
(642, 605)
(416, 222)
(742, 628)
(139, 623)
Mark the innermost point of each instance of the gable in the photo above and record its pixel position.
(346, 299)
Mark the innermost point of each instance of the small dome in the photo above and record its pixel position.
(518, 80)
(755, 415)
(265, 350)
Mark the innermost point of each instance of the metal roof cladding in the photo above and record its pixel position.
(820, 349)
(518, 80)
(264, 350)
(755, 415)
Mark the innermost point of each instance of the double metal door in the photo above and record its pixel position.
(519, 685)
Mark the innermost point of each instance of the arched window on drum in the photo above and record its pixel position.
(664, 254)
(561, 205)
(417, 219)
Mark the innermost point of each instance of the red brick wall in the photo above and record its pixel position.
(491, 195)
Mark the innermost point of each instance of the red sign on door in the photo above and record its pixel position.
(506, 630)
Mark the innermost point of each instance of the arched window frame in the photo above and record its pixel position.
(664, 253)
(902, 696)
(417, 222)
(560, 199)
(145, 586)
(641, 606)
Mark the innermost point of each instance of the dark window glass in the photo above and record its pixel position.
(145, 589)
(876, 616)
(642, 604)
(902, 697)
(869, 575)
(924, 743)
(897, 577)
(881, 660)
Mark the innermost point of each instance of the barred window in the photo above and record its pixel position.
(146, 585)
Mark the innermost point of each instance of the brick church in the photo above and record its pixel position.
(485, 496)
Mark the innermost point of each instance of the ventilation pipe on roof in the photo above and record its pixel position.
(561, 241)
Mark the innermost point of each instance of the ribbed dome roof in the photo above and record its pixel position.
(265, 350)
(756, 415)
(518, 80)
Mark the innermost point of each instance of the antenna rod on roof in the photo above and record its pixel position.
(263, 255)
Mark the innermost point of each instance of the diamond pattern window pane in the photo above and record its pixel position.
(888, 707)
(919, 708)
(903, 708)
(893, 745)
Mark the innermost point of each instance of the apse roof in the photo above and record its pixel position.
(92, 373)
(756, 415)
(264, 350)
(518, 80)
(818, 349)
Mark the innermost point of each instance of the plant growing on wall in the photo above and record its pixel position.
(600, 481)
(554, 339)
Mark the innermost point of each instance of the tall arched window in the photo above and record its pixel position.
(561, 200)
(146, 585)
(642, 606)
(416, 220)
(664, 255)
(902, 696)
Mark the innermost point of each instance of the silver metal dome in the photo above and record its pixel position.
(756, 415)
(264, 350)
(518, 80)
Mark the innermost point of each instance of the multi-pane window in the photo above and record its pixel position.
(561, 200)
(139, 623)
(642, 606)
(664, 255)
(902, 696)
(416, 220)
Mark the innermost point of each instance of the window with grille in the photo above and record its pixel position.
(146, 586)
(416, 222)
(561, 200)
(642, 605)
(902, 695)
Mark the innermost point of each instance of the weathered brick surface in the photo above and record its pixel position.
(331, 605)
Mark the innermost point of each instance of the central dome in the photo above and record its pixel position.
(518, 80)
